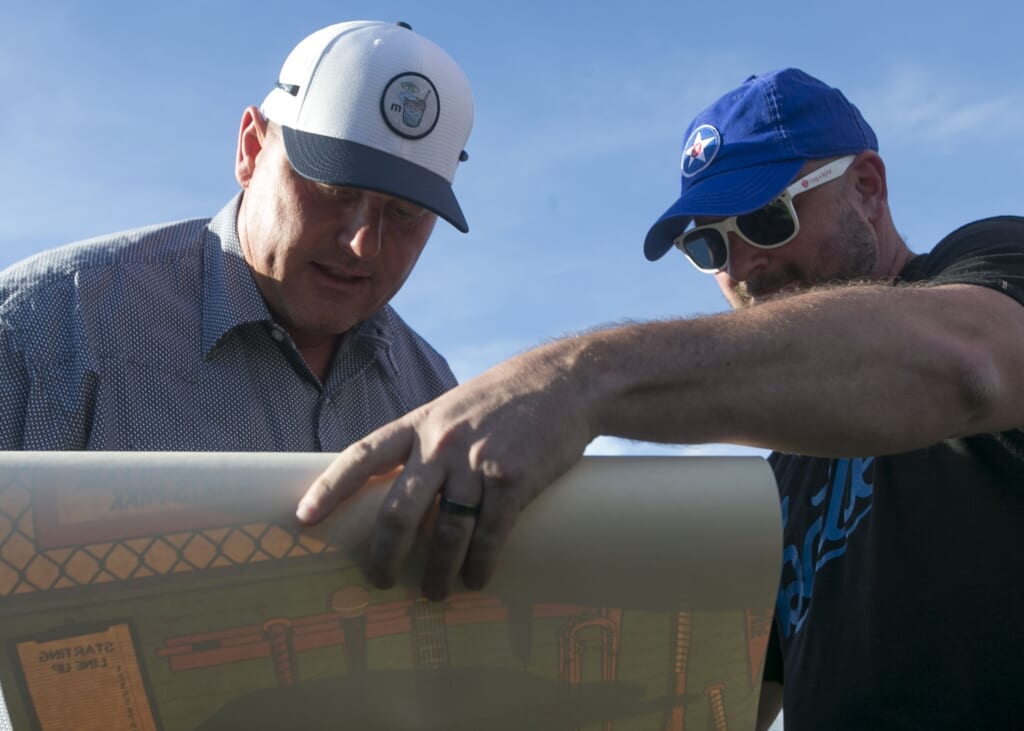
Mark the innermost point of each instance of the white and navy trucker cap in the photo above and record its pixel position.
(374, 105)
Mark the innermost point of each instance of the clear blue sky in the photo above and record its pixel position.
(118, 114)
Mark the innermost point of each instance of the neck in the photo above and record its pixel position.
(893, 253)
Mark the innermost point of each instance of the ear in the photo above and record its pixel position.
(251, 135)
(867, 173)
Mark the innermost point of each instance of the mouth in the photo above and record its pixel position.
(339, 276)
(753, 293)
(778, 284)
(776, 293)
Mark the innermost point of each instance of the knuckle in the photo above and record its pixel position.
(392, 519)
(502, 473)
(362, 452)
(510, 502)
(450, 537)
(321, 488)
(486, 547)
(412, 484)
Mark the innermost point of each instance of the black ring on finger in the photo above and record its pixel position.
(455, 508)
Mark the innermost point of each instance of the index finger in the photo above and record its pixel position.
(377, 453)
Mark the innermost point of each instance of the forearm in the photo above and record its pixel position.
(847, 372)
(857, 370)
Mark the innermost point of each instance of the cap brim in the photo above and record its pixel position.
(342, 162)
(725, 194)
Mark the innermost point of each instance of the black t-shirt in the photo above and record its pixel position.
(901, 603)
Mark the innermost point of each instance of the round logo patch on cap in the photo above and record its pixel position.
(410, 105)
(700, 150)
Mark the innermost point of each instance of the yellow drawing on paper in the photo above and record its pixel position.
(87, 681)
(172, 592)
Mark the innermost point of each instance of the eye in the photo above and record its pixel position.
(335, 193)
(401, 211)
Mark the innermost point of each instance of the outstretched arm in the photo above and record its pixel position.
(851, 370)
(854, 370)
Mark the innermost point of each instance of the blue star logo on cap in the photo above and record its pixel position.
(700, 150)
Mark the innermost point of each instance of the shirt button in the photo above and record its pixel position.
(276, 334)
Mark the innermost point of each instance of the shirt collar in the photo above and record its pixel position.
(230, 295)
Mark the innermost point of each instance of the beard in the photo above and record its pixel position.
(849, 254)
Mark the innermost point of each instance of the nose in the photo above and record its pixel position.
(743, 259)
(360, 227)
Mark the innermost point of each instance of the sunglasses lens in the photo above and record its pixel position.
(706, 248)
(769, 226)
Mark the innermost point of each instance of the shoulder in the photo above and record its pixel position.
(997, 231)
(52, 302)
(139, 245)
(999, 235)
(73, 265)
(987, 253)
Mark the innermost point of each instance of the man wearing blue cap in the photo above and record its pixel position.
(889, 385)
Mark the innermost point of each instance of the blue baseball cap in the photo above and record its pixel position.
(741, 152)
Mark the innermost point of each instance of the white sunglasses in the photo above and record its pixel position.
(770, 227)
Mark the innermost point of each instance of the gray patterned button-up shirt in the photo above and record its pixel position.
(158, 339)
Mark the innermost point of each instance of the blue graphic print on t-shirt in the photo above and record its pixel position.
(839, 505)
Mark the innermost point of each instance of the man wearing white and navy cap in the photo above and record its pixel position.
(889, 384)
(267, 327)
